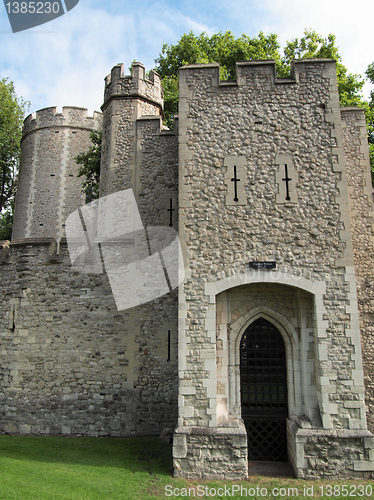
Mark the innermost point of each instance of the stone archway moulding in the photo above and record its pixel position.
(253, 276)
(316, 288)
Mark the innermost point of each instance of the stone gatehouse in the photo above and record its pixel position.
(258, 353)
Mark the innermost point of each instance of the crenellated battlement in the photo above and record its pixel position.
(51, 140)
(118, 85)
(249, 73)
(70, 116)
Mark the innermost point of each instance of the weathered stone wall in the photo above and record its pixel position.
(116, 170)
(138, 154)
(304, 238)
(158, 177)
(361, 210)
(249, 131)
(72, 364)
(205, 454)
(48, 187)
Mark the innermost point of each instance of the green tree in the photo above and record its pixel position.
(90, 167)
(225, 49)
(222, 48)
(313, 45)
(6, 224)
(12, 112)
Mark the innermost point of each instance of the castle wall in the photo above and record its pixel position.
(261, 169)
(255, 133)
(71, 364)
(138, 154)
(48, 186)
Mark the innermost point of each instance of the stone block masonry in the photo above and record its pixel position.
(71, 364)
(361, 209)
(203, 454)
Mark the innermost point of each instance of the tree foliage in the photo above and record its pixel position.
(6, 224)
(313, 45)
(90, 167)
(222, 48)
(12, 112)
(225, 49)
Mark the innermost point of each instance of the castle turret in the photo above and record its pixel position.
(48, 186)
(126, 100)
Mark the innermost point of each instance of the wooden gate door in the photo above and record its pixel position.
(263, 382)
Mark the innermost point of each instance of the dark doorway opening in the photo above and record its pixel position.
(263, 382)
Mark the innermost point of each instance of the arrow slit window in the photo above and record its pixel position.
(286, 179)
(235, 177)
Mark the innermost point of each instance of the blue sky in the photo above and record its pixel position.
(64, 62)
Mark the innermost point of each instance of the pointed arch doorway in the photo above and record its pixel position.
(263, 383)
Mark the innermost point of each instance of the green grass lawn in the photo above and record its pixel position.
(57, 468)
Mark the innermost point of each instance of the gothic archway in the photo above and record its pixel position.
(263, 382)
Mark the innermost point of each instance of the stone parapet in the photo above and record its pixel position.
(256, 72)
(71, 116)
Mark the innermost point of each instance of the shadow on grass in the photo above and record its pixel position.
(146, 454)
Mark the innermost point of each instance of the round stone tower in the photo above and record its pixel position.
(127, 101)
(48, 187)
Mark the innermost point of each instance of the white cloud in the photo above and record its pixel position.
(67, 66)
(352, 24)
(64, 62)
